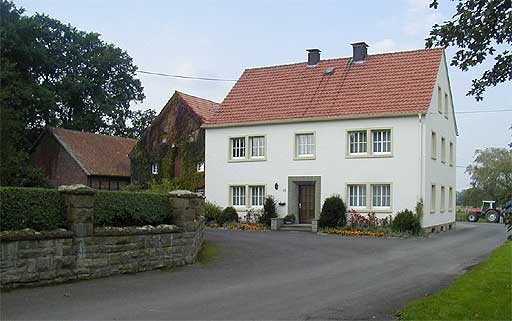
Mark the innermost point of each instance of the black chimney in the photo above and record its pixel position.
(360, 51)
(313, 57)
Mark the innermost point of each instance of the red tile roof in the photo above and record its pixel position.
(204, 108)
(98, 154)
(385, 84)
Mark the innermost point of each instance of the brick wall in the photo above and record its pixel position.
(86, 252)
(56, 163)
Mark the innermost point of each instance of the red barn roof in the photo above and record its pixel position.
(384, 84)
(97, 154)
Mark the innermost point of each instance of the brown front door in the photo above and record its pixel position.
(306, 203)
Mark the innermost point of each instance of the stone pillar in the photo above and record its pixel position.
(188, 209)
(314, 225)
(276, 223)
(79, 201)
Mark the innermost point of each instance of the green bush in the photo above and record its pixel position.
(212, 211)
(229, 214)
(269, 211)
(36, 208)
(131, 209)
(406, 221)
(334, 212)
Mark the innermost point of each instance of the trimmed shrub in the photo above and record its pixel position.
(123, 209)
(269, 211)
(334, 212)
(36, 208)
(229, 214)
(406, 221)
(212, 211)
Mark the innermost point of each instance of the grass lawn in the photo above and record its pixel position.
(484, 293)
(208, 253)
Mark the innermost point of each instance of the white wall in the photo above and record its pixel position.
(436, 172)
(402, 170)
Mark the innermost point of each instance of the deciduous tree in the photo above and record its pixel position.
(481, 29)
(491, 172)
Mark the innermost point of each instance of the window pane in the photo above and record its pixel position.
(381, 141)
(357, 142)
(238, 195)
(357, 195)
(257, 146)
(305, 144)
(257, 195)
(238, 147)
(381, 195)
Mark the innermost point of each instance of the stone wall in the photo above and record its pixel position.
(86, 252)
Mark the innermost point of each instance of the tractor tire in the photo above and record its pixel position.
(472, 217)
(492, 216)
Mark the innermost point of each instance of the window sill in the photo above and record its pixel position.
(242, 160)
(387, 155)
(371, 210)
(304, 157)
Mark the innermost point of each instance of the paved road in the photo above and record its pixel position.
(273, 275)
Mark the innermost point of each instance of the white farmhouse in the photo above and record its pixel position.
(379, 130)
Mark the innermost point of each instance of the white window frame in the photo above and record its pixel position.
(446, 105)
(355, 139)
(450, 199)
(452, 154)
(353, 142)
(383, 143)
(442, 205)
(241, 195)
(433, 145)
(260, 197)
(311, 143)
(155, 168)
(433, 201)
(439, 100)
(260, 146)
(443, 150)
(357, 195)
(382, 196)
(200, 167)
(235, 145)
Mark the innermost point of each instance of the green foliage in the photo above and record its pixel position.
(269, 211)
(492, 172)
(212, 211)
(164, 186)
(334, 212)
(480, 29)
(229, 214)
(474, 196)
(484, 293)
(132, 188)
(36, 208)
(406, 221)
(55, 75)
(140, 121)
(131, 209)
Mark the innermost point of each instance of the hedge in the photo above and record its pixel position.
(36, 208)
(123, 209)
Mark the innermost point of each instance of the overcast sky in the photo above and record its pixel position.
(222, 38)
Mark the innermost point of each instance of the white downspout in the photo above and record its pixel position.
(420, 118)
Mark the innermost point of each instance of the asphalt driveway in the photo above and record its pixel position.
(273, 275)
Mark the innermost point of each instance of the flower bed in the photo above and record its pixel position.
(240, 226)
(353, 232)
